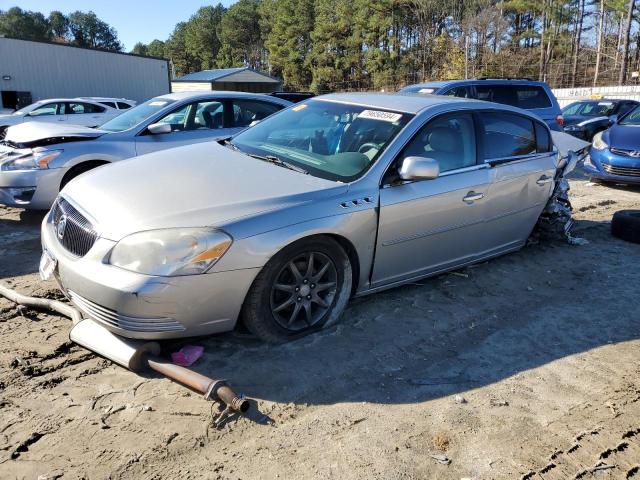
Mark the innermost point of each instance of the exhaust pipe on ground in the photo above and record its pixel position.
(135, 355)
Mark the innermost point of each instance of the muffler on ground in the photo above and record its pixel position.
(138, 355)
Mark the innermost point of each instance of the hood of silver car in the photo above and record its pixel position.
(36, 134)
(204, 184)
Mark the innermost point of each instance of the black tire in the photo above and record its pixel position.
(79, 170)
(625, 225)
(278, 296)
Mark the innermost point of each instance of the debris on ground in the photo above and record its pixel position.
(187, 355)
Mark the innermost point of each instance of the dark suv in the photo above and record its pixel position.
(523, 93)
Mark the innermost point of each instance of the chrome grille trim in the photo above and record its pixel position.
(79, 235)
(114, 319)
(626, 153)
(622, 171)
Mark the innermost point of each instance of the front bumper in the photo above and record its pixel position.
(30, 189)
(611, 167)
(146, 307)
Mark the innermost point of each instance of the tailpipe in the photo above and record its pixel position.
(138, 355)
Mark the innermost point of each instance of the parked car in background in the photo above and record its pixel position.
(117, 103)
(294, 97)
(76, 111)
(585, 118)
(536, 97)
(615, 153)
(37, 160)
(341, 194)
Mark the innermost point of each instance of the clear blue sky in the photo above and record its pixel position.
(135, 20)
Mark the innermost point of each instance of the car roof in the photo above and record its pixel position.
(492, 81)
(177, 96)
(400, 102)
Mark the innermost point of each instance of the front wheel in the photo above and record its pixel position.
(301, 289)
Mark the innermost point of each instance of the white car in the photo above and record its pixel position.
(74, 111)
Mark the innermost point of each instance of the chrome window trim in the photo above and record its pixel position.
(519, 158)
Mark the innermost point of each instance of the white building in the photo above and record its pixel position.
(31, 71)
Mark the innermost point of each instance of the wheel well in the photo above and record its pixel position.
(351, 252)
(80, 168)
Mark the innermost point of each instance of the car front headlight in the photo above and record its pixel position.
(33, 161)
(573, 128)
(171, 252)
(598, 143)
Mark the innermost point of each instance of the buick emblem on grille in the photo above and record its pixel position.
(61, 226)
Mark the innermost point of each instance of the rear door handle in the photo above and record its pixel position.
(472, 197)
(543, 180)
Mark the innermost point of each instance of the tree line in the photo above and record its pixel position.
(329, 45)
(83, 29)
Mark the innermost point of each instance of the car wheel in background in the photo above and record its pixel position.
(79, 170)
(301, 289)
(625, 225)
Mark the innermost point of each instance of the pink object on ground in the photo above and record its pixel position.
(187, 355)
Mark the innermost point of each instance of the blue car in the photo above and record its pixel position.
(524, 93)
(615, 153)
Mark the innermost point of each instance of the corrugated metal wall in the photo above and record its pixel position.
(566, 96)
(49, 70)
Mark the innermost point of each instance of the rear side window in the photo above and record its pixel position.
(80, 107)
(123, 106)
(245, 112)
(507, 135)
(109, 104)
(522, 96)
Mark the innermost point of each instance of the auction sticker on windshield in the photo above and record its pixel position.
(380, 115)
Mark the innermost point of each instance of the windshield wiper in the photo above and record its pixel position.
(278, 161)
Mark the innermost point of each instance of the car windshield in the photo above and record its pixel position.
(590, 109)
(632, 118)
(27, 109)
(330, 140)
(135, 115)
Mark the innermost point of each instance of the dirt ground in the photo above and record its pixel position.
(527, 366)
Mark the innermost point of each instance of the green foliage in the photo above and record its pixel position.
(240, 36)
(24, 24)
(87, 30)
(201, 42)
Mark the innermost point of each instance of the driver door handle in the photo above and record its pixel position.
(472, 197)
(543, 180)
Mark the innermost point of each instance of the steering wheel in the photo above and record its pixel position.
(367, 146)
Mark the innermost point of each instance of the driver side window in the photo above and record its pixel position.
(48, 109)
(450, 140)
(201, 115)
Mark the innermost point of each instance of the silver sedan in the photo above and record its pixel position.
(343, 195)
(37, 160)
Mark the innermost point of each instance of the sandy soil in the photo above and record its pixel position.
(527, 367)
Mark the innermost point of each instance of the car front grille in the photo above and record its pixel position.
(622, 171)
(73, 230)
(626, 153)
(114, 319)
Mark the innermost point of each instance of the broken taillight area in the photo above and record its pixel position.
(560, 120)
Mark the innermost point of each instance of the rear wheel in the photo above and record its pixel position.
(301, 289)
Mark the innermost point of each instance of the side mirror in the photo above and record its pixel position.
(613, 119)
(419, 168)
(159, 128)
(255, 122)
